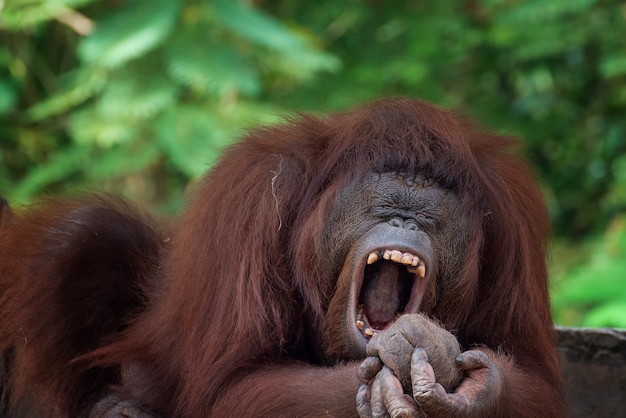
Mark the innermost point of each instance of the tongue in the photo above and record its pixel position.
(381, 294)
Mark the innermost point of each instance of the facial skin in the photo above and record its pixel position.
(400, 237)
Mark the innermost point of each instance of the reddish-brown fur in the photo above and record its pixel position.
(234, 321)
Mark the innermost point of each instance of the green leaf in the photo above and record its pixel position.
(595, 287)
(612, 315)
(89, 126)
(128, 100)
(8, 96)
(136, 94)
(255, 25)
(613, 65)
(191, 138)
(303, 65)
(293, 54)
(137, 28)
(545, 11)
(121, 160)
(86, 83)
(198, 62)
(18, 14)
(61, 165)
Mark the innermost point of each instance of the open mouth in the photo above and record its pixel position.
(393, 283)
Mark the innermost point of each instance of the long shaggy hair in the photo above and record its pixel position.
(241, 281)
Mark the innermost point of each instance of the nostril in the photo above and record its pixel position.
(403, 223)
(410, 225)
(397, 222)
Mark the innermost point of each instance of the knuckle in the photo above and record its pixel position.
(422, 393)
(401, 407)
(369, 368)
(378, 411)
(425, 392)
(402, 412)
(475, 359)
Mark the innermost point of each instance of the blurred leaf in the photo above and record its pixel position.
(612, 315)
(59, 166)
(88, 126)
(132, 31)
(136, 94)
(533, 12)
(16, 14)
(304, 65)
(118, 161)
(256, 26)
(133, 96)
(595, 287)
(292, 53)
(8, 96)
(206, 66)
(191, 138)
(85, 84)
(614, 65)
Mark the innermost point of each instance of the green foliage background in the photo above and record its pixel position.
(139, 96)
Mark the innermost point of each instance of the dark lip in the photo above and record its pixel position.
(412, 306)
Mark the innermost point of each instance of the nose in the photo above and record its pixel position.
(403, 223)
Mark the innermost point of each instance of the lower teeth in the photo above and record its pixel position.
(362, 325)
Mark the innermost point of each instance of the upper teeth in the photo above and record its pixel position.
(416, 266)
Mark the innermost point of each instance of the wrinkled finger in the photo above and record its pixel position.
(431, 398)
(423, 379)
(395, 351)
(369, 368)
(473, 359)
(422, 373)
(397, 403)
(391, 341)
(484, 376)
(363, 406)
(377, 402)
